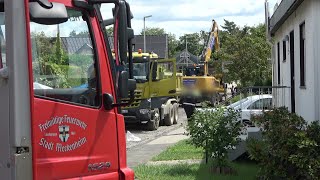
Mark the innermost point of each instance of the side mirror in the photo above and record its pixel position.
(123, 35)
(125, 31)
(48, 13)
(108, 101)
(125, 84)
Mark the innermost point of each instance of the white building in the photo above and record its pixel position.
(295, 29)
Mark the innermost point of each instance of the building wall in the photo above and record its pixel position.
(307, 99)
(154, 43)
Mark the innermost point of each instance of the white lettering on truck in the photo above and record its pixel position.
(70, 147)
(62, 120)
(62, 131)
(46, 144)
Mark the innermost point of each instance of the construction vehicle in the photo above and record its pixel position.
(60, 102)
(198, 84)
(156, 94)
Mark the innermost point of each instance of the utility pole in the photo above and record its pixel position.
(144, 32)
(187, 50)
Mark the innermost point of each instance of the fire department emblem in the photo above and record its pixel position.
(64, 133)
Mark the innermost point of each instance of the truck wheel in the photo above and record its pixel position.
(176, 113)
(154, 122)
(161, 118)
(169, 118)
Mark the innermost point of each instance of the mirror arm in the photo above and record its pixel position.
(44, 3)
(109, 105)
(108, 22)
(125, 103)
(84, 5)
(103, 1)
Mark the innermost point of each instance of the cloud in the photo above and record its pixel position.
(186, 16)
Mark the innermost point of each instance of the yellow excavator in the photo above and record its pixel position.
(198, 84)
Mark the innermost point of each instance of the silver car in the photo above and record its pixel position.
(252, 105)
(249, 106)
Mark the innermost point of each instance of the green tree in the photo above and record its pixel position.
(153, 31)
(58, 50)
(109, 31)
(230, 27)
(173, 44)
(248, 50)
(42, 44)
(193, 42)
(83, 34)
(172, 41)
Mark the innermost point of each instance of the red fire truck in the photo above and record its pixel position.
(60, 89)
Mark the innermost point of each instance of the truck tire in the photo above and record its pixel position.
(169, 118)
(176, 113)
(154, 122)
(161, 118)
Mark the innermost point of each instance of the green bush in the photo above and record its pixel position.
(216, 132)
(289, 148)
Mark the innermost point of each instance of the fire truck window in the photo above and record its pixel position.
(63, 58)
(2, 41)
(164, 70)
(106, 12)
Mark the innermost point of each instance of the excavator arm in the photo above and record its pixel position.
(213, 42)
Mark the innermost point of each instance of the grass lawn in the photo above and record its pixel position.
(181, 151)
(194, 172)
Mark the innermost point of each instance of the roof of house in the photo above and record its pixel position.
(180, 57)
(284, 10)
(156, 44)
(73, 44)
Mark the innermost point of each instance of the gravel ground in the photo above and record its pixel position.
(147, 136)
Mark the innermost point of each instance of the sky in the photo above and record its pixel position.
(178, 16)
(189, 16)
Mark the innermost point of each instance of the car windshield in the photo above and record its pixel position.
(140, 71)
(238, 103)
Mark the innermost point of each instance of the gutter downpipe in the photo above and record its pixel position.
(268, 40)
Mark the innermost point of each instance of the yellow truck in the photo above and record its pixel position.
(157, 90)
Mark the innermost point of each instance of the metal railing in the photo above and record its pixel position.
(280, 94)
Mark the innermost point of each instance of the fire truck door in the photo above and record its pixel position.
(73, 135)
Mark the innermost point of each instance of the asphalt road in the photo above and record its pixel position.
(147, 136)
(154, 142)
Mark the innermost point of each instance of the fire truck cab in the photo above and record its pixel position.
(59, 90)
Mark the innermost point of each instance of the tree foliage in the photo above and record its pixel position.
(153, 31)
(83, 34)
(248, 50)
(52, 65)
(109, 31)
(216, 132)
(193, 41)
(290, 148)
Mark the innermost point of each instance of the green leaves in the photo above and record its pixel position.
(193, 42)
(249, 51)
(290, 146)
(215, 131)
